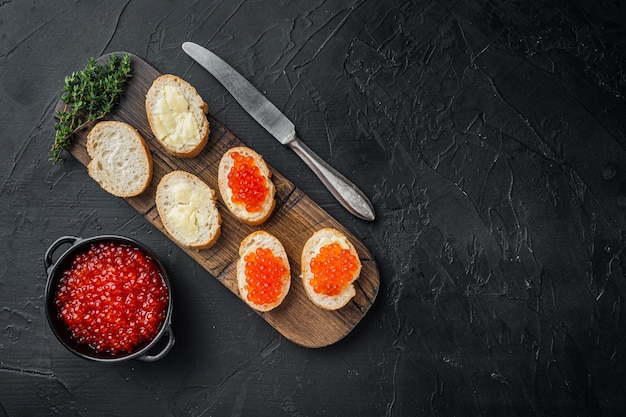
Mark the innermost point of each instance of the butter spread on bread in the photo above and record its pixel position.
(177, 116)
(188, 210)
(184, 214)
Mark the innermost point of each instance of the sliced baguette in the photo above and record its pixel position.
(262, 239)
(321, 238)
(120, 159)
(187, 207)
(176, 138)
(239, 209)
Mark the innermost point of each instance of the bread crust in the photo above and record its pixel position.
(191, 150)
(309, 251)
(239, 210)
(209, 204)
(109, 172)
(253, 241)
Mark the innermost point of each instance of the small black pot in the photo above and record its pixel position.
(55, 269)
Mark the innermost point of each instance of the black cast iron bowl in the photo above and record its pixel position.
(144, 350)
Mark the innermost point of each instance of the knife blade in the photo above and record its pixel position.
(279, 126)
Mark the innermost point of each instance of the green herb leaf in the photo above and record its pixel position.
(89, 95)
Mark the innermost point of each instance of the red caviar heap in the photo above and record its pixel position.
(247, 183)
(333, 268)
(112, 297)
(264, 276)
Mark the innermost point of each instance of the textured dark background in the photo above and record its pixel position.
(490, 136)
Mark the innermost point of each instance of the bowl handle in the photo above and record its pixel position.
(167, 348)
(47, 260)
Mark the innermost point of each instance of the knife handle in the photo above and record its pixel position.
(344, 191)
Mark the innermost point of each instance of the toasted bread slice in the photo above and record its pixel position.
(318, 291)
(240, 209)
(120, 159)
(177, 116)
(187, 207)
(249, 282)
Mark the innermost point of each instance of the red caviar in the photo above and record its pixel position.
(247, 183)
(112, 297)
(264, 276)
(332, 268)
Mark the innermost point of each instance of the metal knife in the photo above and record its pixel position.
(276, 123)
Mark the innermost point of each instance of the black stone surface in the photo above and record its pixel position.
(490, 136)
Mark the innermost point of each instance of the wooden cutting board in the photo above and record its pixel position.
(295, 218)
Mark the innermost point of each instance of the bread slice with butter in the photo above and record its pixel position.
(187, 207)
(237, 195)
(263, 278)
(328, 279)
(120, 159)
(177, 116)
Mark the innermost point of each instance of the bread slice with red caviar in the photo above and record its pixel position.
(246, 186)
(120, 159)
(177, 116)
(329, 266)
(188, 209)
(263, 273)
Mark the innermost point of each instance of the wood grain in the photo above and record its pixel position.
(294, 220)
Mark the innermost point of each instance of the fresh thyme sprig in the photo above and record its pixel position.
(89, 95)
